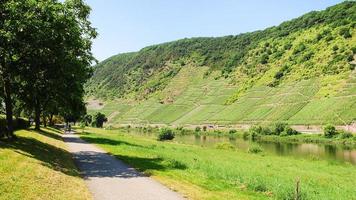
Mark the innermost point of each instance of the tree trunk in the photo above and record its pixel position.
(51, 120)
(44, 121)
(8, 108)
(37, 115)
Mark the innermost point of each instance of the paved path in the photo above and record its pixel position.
(109, 178)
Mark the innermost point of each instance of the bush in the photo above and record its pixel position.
(345, 135)
(259, 130)
(165, 134)
(204, 128)
(232, 131)
(330, 131)
(278, 128)
(289, 131)
(255, 149)
(245, 135)
(197, 129)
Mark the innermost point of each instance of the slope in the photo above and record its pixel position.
(300, 72)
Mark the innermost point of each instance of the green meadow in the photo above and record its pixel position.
(213, 172)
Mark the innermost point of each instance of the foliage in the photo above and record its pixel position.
(278, 128)
(246, 55)
(87, 120)
(330, 131)
(47, 52)
(345, 135)
(290, 88)
(99, 119)
(165, 134)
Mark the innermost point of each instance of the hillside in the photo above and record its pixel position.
(300, 72)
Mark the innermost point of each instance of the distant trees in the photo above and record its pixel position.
(44, 57)
(99, 119)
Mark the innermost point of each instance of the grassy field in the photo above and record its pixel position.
(210, 173)
(38, 166)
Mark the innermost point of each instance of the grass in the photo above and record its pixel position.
(38, 166)
(216, 173)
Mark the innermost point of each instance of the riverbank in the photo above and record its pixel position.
(317, 138)
(38, 166)
(212, 173)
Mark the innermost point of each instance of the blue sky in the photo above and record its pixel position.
(129, 25)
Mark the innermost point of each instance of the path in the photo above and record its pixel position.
(109, 178)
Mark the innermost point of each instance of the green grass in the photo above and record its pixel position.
(38, 166)
(216, 173)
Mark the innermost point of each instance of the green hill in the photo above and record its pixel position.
(300, 72)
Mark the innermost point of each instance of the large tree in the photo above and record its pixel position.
(46, 55)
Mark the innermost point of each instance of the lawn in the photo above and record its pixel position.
(211, 173)
(38, 166)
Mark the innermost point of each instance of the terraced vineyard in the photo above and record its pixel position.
(301, 72)
(203, 101)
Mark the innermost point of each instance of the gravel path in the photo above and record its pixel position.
(109, 178)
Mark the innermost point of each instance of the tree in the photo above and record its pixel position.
(87, 120)
(99, 120)
(45, 55)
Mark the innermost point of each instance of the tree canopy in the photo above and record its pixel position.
(45, 57)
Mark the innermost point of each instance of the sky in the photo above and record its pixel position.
(129, 25)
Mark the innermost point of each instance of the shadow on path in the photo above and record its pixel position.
(100, 164)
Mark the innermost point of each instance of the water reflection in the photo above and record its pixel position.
(304, 150)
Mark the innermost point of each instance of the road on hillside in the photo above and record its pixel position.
(110, 179)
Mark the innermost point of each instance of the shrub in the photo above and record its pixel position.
(278, 128)
(165, 134)
(259, 130)
(345, 134)
(197, 129)
(179, 128)
(232, 131)
(330, 131)
(255, 149)
(245, 135)
(289, 131)
(204, 128)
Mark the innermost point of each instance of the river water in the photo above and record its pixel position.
(333, 153)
